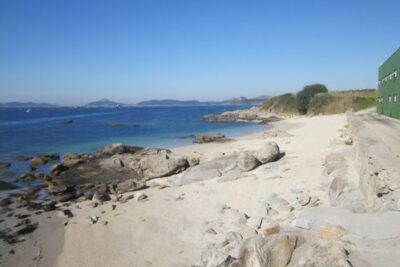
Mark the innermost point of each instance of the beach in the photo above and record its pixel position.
(174, 224)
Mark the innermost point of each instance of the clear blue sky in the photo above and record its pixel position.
(73, 51)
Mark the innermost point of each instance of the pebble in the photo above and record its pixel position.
(141, 197)
(94, 219)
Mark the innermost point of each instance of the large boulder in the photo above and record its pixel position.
(268, 152)
(113, 149)
(162, 164)
(247, 161)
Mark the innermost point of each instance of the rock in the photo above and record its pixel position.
(49, 206)
(114, 149)
(4, 165)
(247, 161)
(254, 115)
(130, 185)
(278, 204)
(68, 213)
(211, 231)
(66, 197)
(5, 201)
(140, 197)
(57, 169)
(22, 158)
(27, 177)
(161, 165)
(43, 159)
(336, 188)
(274, 251)
(74, 159)
(303, 199)
(193, 161)
(118, 163)
(7, 174)
(94, 219)
(6, 186)
(269, 152)
(56, 189)
(231, 175)
(125, 199)
(333, 161)
(210, 138)
(34, 205)
(271, 230)
(26, 229)
(219, 254)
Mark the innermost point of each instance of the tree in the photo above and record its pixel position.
(304, 96)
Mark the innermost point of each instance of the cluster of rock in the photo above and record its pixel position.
(254, 115)
(274, 237)
(210, 138)
(229, 167)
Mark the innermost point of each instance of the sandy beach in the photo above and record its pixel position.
(173, 225)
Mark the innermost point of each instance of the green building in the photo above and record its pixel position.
(389, 87)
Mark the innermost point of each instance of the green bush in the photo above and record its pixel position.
(304, 96)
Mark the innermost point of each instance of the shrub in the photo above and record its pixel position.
(283, 104)
(304, 96)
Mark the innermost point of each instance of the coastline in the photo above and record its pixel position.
(206, 222)
(146, 232)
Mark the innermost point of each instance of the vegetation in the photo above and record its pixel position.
(283, 104)
(314, 100)
(304, 96)
(339, 102)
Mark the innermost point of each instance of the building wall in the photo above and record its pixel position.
(389, 87)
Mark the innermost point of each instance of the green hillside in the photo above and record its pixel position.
(320, 103)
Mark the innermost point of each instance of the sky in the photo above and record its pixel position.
(71, 52)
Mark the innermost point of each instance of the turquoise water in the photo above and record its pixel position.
(47, 131)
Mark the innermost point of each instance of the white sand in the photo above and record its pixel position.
(169, 229)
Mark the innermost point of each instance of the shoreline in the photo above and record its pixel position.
(208, 221)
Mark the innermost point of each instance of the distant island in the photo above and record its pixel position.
(27, 105)
(106, 103)
(234, 101)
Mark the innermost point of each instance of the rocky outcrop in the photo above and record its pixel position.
(210, 138)
(229, 167)
(114, 149)
(118, 163)
(254, 115)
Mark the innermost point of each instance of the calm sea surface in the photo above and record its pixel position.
(47, 131)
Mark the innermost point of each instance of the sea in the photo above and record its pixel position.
(36, 131)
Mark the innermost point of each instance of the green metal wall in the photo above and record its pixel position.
(389, 88)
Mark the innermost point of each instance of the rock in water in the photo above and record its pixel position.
(43, 159)
(269, 152)
(247, 161)
(4, 165)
